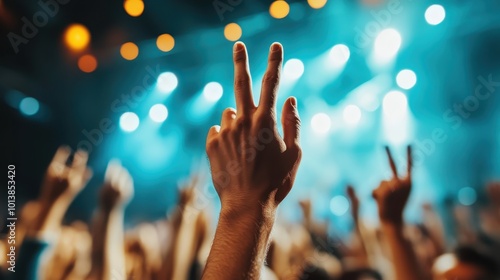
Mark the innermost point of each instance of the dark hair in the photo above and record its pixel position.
(312, 272)
(473, 256)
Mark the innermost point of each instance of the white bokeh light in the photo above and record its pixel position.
(467, 196)
(129, 122)
(213, 91)
(406, 79)
(352, 114)
(435, 14)
(339, 55)
(395, 104)
(293, 69)
(167, 82)
(321, 123)
(339, 205)
(387, 44)
(158, 113)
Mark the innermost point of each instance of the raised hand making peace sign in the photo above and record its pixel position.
(251, 163)
(392, 195)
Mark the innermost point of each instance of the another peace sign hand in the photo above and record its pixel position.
(392, 195)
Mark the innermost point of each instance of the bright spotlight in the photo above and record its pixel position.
(293, 69)
(352, 114)
(395, 103)
(29, 106)
(213, 91)
(435, 14)
(339, 205)
(339, 55)
(321, 123)
(406, 79)
(467, 196)
(167, 82)
(158, 113)
(129, 122)
(387, 44)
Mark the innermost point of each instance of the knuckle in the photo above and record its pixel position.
(243, 122)
(241, 82)
(212, 145)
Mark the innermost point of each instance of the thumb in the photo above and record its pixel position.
(290, 121)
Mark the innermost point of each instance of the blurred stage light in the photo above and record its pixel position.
(321, 123)
(134, 8)
(316, 4)
(387, 44)
(29, 106)
(158, 113)
(352, 114)
(395, 103)
(339, 55)
(129, 51)
(406, 79)
(165, 42)
(77, 37)
(232, 32)
(213, 91)
(467, 196)
(167, 82)
(87, 63)
(279, 9)
(435, 14)
(339, 205)
(129, 122)
(293, 69)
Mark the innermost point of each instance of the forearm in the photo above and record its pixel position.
(107, 247)
(50, 216)
(240, 244)
(403, 256)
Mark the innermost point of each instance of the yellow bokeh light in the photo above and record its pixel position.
(232, 32)
(129, 51)
(165, 42)
(317, 4)
(134, 7)
(279, 9)
(77, 37)
(87, 63)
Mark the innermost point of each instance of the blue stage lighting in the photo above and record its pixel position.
(435, 14)
(158, 113)
(406, 79)
(293, 69)
(339, 55)
(387, 44)
(321, 123)
(29, 106)
(213, 91)
(352, 114)
(339, 205)
(467, 196)
(395, 104)
(167, 82)
(129, 122)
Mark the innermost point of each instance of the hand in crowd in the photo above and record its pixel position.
(392, 195)
(253, 168)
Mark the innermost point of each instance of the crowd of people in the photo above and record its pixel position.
(253, 169)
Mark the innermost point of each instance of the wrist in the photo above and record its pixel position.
(258, 214)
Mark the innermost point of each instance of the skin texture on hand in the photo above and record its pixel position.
(253, 169)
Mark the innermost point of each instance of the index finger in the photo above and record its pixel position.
(242, 79)
(61, 155)
(391, 162)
